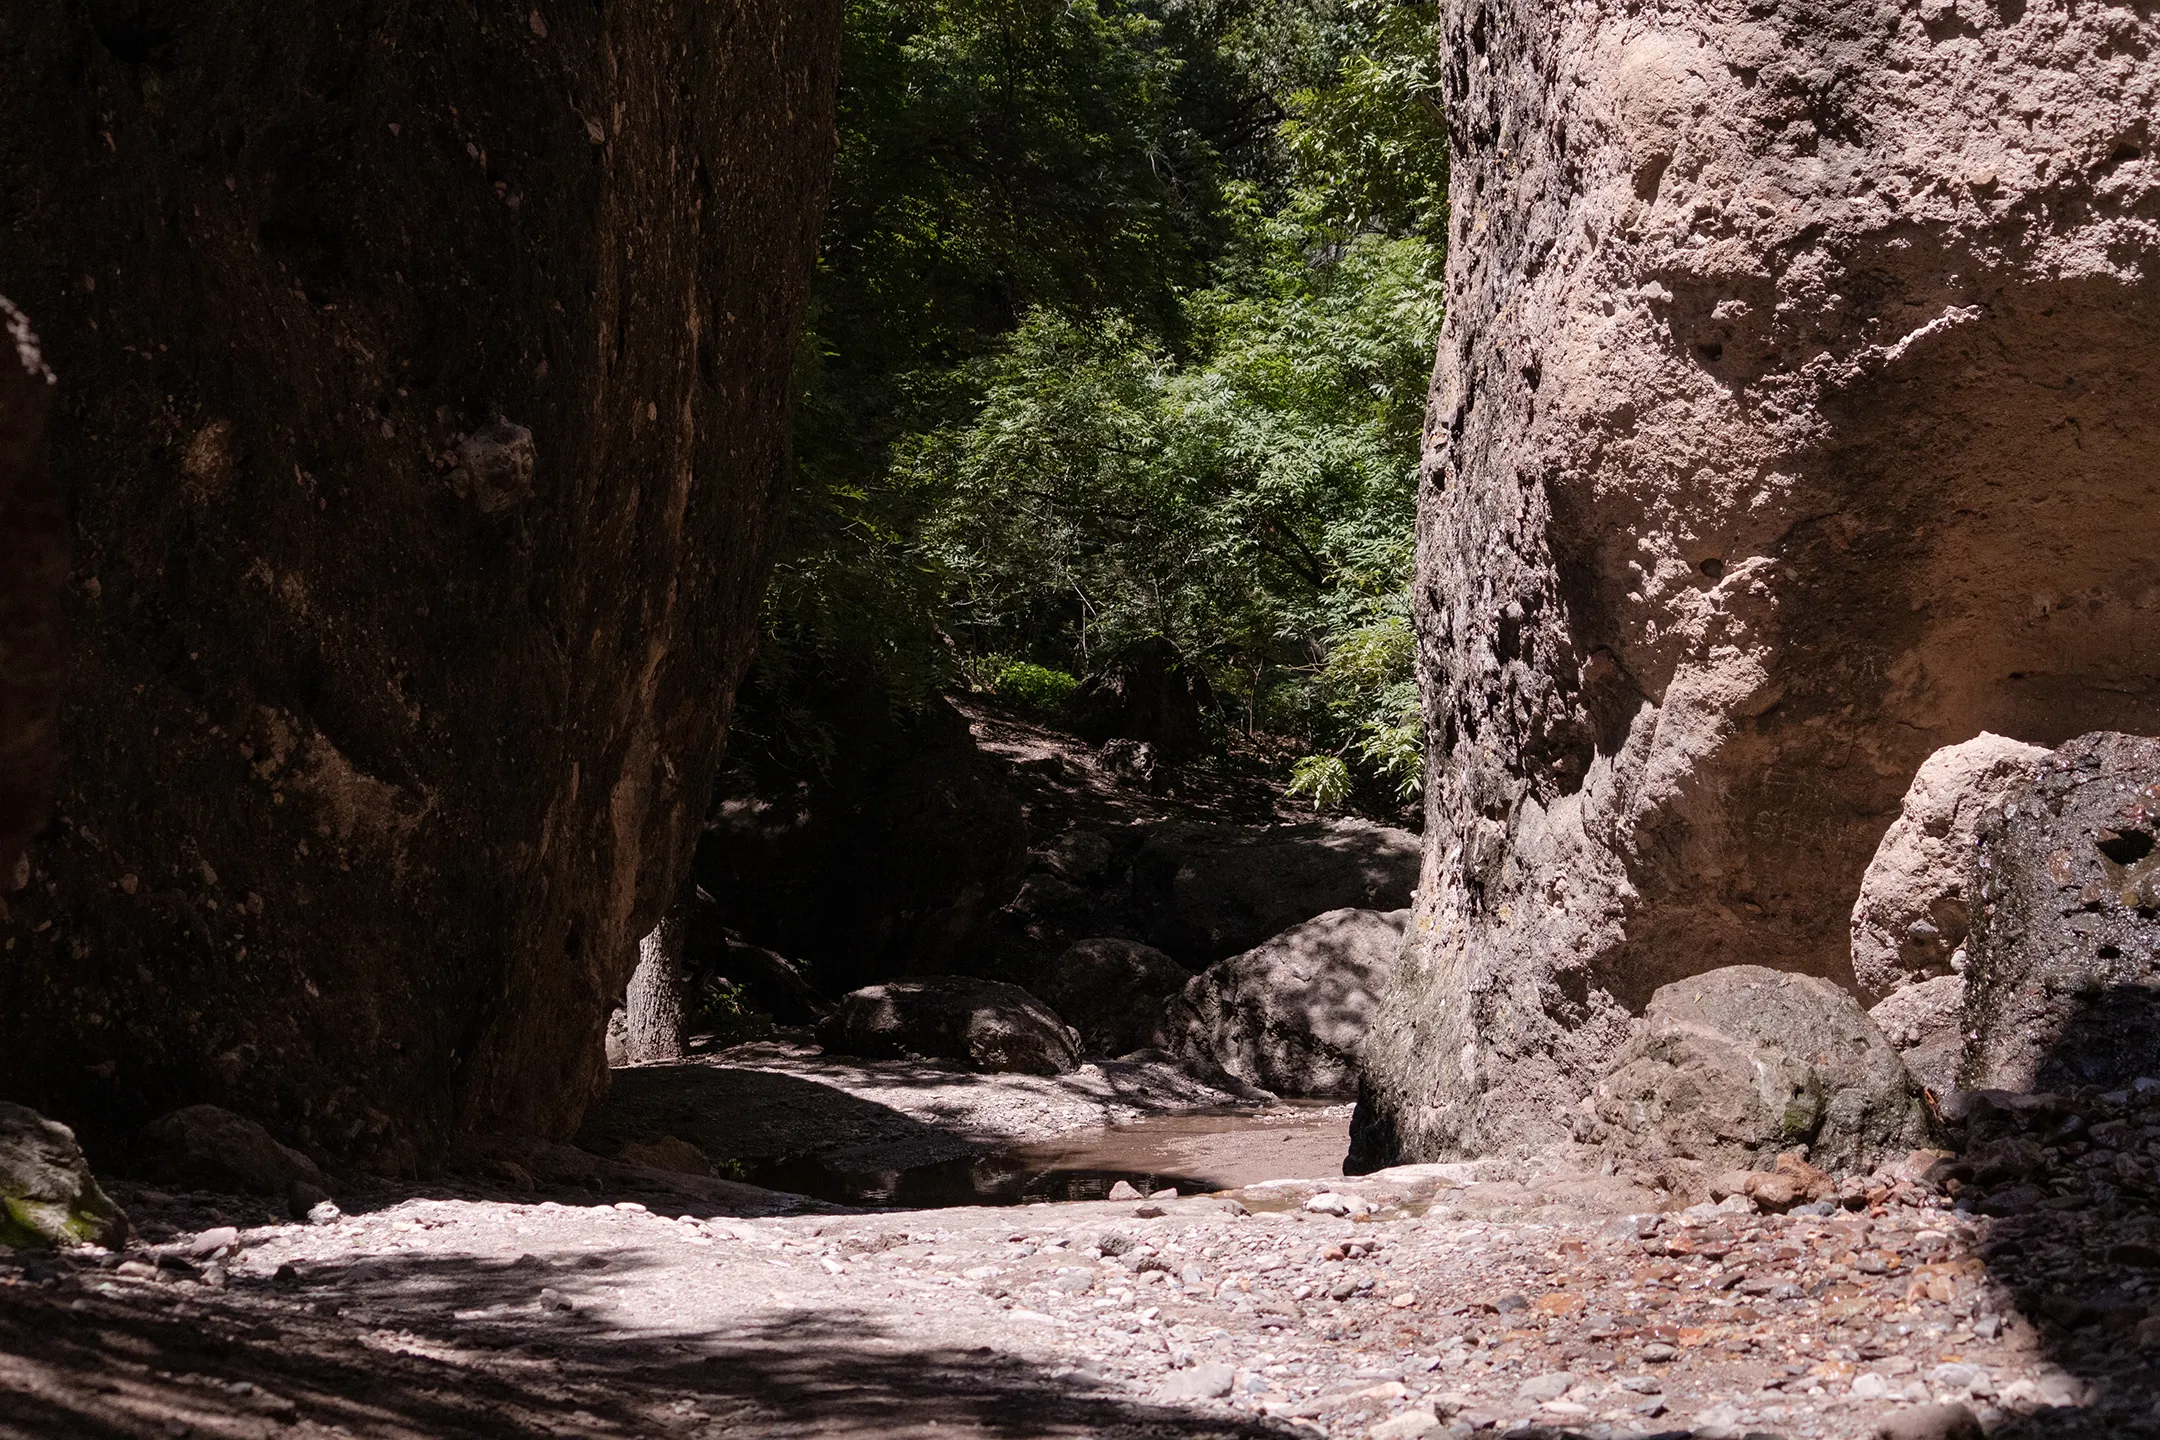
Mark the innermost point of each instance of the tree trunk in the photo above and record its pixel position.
(653, 1005)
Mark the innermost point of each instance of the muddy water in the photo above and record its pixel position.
(1192, 1153)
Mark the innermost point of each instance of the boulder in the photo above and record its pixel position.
(890, 859)
(421, 526)
(1910, 922)
(1205, 892)
(1290, 1015)
(978, 1024)
(1732, 1068)
(1112, 992)
(33, 570)
(1926, 1022)
(203, 1147)
(48, 1197)
(2063, 980)
(1764, 459)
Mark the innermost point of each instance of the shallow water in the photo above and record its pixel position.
(1192, 1153)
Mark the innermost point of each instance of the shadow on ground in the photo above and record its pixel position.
(2070, 1176)
(447, 1346)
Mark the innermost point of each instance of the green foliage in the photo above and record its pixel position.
(1035, 688)
(1123, 326)
(721, 1009)
(1324, 780)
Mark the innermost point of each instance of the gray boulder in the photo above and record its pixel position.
(1112, 991)
(1290, 1015)
(981, 1024)
(48, 1197)
(1910, 922)
(1730, 1068)
(204, 1147)
(2063, 980)
(1207, 892)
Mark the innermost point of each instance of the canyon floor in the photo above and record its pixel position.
(1495, 1299)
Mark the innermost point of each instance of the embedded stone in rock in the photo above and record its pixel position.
(1910, 922)
(1112, 991)
(1206, 892)
(48, 1197)
(391, 781)
(1290, 1015)
(982, 1024)
(1735, 1066)
(2063, 983)
(203, 1147)
(33, 568)
(1764, 461)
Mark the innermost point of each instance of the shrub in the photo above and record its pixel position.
(1035, 688)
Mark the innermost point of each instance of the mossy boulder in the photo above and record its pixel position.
(48, 1197)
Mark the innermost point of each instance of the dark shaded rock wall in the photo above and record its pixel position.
(1793, 418)
(33, 571)
(425, 427)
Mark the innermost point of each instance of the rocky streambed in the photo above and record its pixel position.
(1500, 1298)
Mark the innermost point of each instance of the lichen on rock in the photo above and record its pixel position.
(48, 1197)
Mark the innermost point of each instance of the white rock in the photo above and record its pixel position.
(1409, 1425)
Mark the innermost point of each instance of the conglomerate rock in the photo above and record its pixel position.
(424, 419)
(1793, 419)
(2063, 984)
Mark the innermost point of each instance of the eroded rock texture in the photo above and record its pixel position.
(1793, 418)
(426, 424)
(2063, 984)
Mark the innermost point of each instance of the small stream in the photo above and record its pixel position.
(1192, 1154)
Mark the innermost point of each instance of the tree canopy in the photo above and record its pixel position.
(1123, 325)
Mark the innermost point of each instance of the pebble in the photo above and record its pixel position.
(1201, 1382)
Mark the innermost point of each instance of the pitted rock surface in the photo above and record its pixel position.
(1290, 1015)
(1792, 421)
(2064, 980)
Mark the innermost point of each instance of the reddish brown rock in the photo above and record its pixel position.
(425, 427)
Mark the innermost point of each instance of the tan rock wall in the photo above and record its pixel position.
(1795, 416)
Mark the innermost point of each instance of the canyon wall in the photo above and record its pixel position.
(423, 419)
(1795, 415)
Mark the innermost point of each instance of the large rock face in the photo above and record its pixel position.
(1793, 419)
(425, 378)
(1112, 992)
(2063, 983)
(33, 571)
